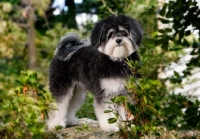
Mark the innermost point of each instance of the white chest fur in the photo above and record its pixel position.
(113, 86)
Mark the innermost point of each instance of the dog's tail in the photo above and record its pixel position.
(68, 45)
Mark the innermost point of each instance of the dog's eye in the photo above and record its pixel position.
(110, 34)
(124, 33)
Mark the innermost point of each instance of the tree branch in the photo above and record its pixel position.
(108, 8)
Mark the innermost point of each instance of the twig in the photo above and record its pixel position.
(108, 8)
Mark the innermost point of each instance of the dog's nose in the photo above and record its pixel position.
(118, 41)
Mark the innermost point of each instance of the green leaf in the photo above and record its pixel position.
(18, 82)
(187, 33)
(108, 111)
(168, 29)
(112, 99)
(152, 109)
(165, 46)
(145, 100)
(6, 104)
(163, 12)
(164, 21)
(112, 120)
(175, 48)
(142, 51)
(176, 74)
(7, 120)
(186, 43)
(162, 31)
(149, 40)
(120, 99)
(158, 42)
(58, 127)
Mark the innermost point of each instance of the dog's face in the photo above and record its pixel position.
(119, 43)
(117, 36)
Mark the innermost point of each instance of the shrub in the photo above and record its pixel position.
(152, 110)
(27, 110)
(141, 102)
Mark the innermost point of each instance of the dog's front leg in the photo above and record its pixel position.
(103, 117)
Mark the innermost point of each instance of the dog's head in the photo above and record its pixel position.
(117, 36)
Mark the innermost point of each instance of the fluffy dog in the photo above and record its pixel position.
(99, 66)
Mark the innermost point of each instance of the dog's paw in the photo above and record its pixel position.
(52, 124)
(110, 127)
(72, 121)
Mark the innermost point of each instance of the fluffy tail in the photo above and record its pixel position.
(68, 45)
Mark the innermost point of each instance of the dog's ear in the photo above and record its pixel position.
(136, 30)
(97, 34)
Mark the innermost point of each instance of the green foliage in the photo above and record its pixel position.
(27, 110)
(181, 112)
(12, 51)
(153, 103)
(183, 16)
(158, 50)
(142, 103)
(151, 109)
(87, 109)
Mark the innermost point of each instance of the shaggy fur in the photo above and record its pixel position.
(100, 67)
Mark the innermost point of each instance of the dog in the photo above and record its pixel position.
(98, 65)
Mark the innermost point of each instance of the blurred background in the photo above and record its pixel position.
(170, 52)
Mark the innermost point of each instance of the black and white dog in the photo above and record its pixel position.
(99, 66)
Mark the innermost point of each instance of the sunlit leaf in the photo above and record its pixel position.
(112, 120)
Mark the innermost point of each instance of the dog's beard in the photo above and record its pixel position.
(118, 50)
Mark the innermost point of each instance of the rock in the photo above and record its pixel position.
(87, 129)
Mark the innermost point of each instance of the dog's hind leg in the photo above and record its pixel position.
(59, 117)
(75, 103)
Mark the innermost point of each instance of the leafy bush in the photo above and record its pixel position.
(141, 102)
(27, 110)
(181, 112)
(151, 109)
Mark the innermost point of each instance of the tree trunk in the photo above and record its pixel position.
(31, 39)
(71, 14)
